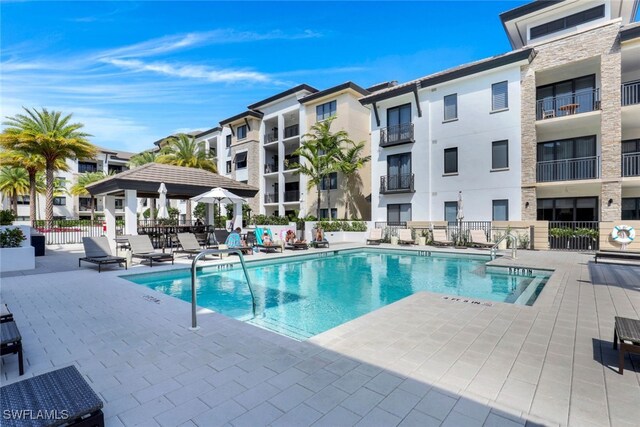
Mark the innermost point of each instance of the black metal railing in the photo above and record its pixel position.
(291, 162)
(270, 137)
(271, 198)
(291, 196)
(567, 105)
(291, 131)
(268, 168)
(631, 164)
(397, 183)
(568, 169)
(67, 231)
(397, 134)
(631, 93)
(164, 235)
(574, 235)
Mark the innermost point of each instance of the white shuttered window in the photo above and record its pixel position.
(500, 96)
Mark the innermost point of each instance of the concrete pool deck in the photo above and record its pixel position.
(421, 361)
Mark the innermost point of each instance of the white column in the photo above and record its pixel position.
(130, 212)
(237, 214)
(210, 212)
(109, 203)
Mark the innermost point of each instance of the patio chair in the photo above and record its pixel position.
(627, 331)
(548, 114)
(479, 239)
(375, 237)
(188, 243)
(322, 242)
(440, 238)
(11, 343)
(296, 246)
(260, 244)
(141, 247)
(5, 314)
(220, 236)
(404, 237)
(63, 391)
(98, 251)
(234, 241)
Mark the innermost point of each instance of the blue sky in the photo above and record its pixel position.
(134, 72)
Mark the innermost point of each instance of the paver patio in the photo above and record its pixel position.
(422, 361)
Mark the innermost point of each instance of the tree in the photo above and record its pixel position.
(81, 184)
(313, 167)
(142, 159)
(351, 161)
(50, 135)
(14, 182)
(183, 150)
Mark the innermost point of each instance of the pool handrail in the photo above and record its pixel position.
(194, 322)
(514, 246)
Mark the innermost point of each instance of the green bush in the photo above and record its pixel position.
(11, 238)
(269, 220)
(6, 217)
(578, 232)
(342, 225)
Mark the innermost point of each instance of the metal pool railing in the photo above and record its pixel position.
(194, 320)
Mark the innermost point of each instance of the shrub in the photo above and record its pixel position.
(270, 220)
(11, 238)
(342, 225)
(6, 217)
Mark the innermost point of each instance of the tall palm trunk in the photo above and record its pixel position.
(48, 211)
(93, 207)
(329, 199)
(14, 202)
(152, 208)
(318, 204)
(33, 194)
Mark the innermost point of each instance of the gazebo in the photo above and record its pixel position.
(181, 183)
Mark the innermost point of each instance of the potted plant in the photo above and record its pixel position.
(16, 252)
(422, 238)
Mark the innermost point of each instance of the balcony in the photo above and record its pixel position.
(270, 137)
(271, 198)
(291, 162)
(631, 93)
(292, 196)
(291, 131)
(568, 105)
(396, 135)
(568, 169)
(269, 168)
(631, 164)
(391, 184)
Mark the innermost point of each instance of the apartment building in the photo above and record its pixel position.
(66, 206)
(547, 131)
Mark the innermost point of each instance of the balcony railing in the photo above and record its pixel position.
(631, 93)
(271, 198)
(567, 105)
(291, 162)
(568, 169)
(270, 137)
(397, 134)
(291, 131)
(631, 164)
(396, 184)
(270, 168)
(292, 196)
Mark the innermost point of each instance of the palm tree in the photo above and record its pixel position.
(14, 182)
(81, 184)
(183, 150)
(142, 159)
(50, 135)
(313, 167)
(351, 161)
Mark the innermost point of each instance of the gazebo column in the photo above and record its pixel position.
(109, 203)
(210, 212)
(130, 212)
(237, 214)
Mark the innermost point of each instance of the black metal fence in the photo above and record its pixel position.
(574, 235)
(67, 231)
(631, 93)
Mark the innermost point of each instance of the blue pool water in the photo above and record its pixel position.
(303, 296)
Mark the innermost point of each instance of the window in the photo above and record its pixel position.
(330, 182)
(568, 209)
(500, 210)
(116, 169)
(451, 107)
(398, 213)
(23, 200)
(241, 132)
(631, 208)
(228, 141)
(631, 146)
(451, 160)
(325, 111)
(324, 213)
(229, 166)
(119, 204)
(451, 211)
(240, 160)
(87, 167)
(555, 99)
(59, 201)
(499, 154)
(397, 116)
(567, 22)
(399, 172)
(500, 96)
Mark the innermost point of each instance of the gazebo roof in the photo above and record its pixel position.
(181, 182)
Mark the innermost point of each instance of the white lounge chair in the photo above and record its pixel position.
(375, 237)
(440, 238)
(479, 238)
(404, 237)
(141, 247)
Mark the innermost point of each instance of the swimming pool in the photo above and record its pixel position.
(305, 295)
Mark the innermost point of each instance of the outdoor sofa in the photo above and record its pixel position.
(98, 251)
(142, 248)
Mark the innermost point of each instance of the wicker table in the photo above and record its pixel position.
(61, 397)
(627, 331)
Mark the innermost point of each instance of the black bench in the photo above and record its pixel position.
(623, 255)
(60, 397)
(11, 342)
(5, 314)
(627, 331)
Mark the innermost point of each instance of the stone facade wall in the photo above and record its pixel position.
(602, 43)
